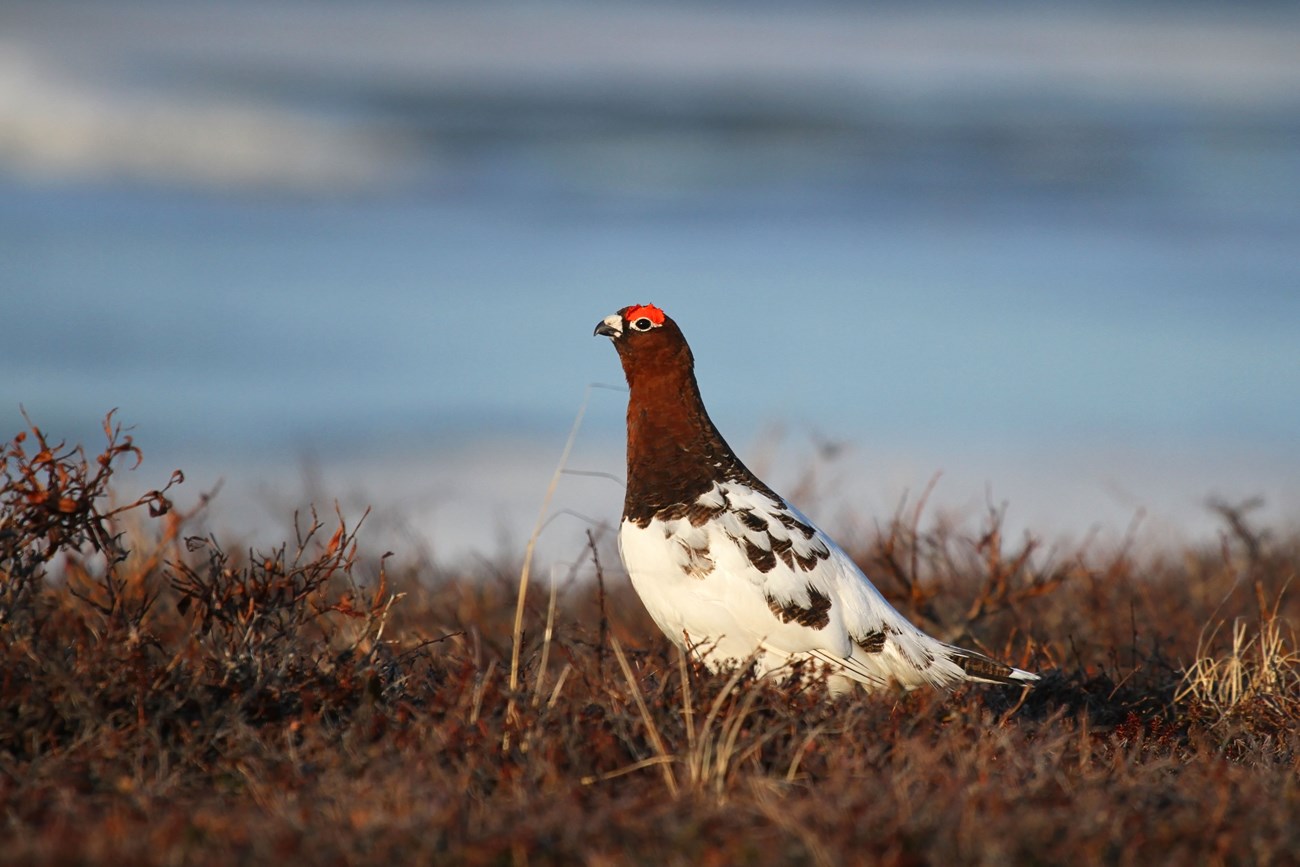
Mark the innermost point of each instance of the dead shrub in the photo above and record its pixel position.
(167, 698)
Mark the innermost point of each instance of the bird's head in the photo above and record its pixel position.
(636, 319)
(646, 339)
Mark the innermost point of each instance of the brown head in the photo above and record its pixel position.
(674, 453)
(649, 344)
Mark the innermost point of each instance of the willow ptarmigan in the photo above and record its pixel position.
(728, 569)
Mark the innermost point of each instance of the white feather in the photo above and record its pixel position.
(704, 592)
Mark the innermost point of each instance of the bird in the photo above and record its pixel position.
(727, 568)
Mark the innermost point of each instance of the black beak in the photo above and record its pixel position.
(604, 328)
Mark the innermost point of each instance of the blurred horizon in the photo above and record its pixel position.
(1046, 251)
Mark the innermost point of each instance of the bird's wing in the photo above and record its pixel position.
(799, 592)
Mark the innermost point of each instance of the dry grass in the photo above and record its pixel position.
(167, 700)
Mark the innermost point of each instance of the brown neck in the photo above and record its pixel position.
(674, 453)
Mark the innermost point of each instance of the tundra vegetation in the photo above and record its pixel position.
(169, 697)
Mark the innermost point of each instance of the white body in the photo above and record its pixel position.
(705, 593)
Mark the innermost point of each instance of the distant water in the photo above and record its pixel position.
(1026, 249)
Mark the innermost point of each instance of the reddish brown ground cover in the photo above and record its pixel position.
(166, 699)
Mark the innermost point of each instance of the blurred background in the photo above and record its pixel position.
(357, 251)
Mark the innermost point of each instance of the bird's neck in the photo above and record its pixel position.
(674, 452)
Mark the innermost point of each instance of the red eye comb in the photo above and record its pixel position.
(648, 311)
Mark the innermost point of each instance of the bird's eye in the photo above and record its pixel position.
(642, 324)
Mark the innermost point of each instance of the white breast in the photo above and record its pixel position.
(701, 600)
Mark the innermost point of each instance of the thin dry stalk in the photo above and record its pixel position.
(652, 731)
(479, 689)
(688, 713)
(663, 761)
(559, 685)
(726, 755)
(793, 771)
(771, 802)
(517, 633)
(918, 596)
(702, 763)
(1265, 663)
(603, 634)
(547, 635)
